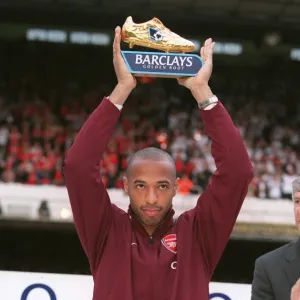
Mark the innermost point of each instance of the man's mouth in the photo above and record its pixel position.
(151, 212)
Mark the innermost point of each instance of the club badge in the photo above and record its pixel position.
(170, 242)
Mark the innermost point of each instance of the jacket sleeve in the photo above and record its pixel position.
(261, 286)
(218, 207)
(91, 206)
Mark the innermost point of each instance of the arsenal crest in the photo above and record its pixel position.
(170, 242)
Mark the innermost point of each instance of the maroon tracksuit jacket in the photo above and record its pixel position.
(177, 262)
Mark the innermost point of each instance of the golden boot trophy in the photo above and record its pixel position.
(173, 62)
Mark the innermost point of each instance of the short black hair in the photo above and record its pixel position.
(151, 153)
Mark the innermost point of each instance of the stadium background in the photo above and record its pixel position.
(45, 67)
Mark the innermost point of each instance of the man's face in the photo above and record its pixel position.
(297, 208)
(151, 186)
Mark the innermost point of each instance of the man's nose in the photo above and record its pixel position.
(152, 196)
(298, 211)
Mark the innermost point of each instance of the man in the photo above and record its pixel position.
(144, 254)
(276, 272)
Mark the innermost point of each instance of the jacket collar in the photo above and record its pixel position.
(293, 251)
(160, 230)
(292, 255)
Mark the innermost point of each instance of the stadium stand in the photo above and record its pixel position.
(45, 99)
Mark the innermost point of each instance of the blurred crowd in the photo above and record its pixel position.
(43, 108)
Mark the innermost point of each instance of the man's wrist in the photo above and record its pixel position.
(120, 94)
(201, 93)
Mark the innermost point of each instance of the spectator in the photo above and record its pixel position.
(44, 211)
(185, 185)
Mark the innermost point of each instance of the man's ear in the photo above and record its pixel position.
(176, 186)
(125, 184)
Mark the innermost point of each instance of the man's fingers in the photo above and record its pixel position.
(295, 292)
(206, 50)
(210, 50)
(117, 40)
(207, 42)
(202, 54)
(296, 287)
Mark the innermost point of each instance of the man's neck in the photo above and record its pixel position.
(150, 229)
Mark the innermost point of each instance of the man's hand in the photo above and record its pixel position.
(126, 82)
(295, 293)
(198, 85)
(124, 77)
(204, 73)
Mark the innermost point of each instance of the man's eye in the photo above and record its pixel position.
(139, 186)
(163, 186)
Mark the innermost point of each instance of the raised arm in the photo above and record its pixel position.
(217, 208)
(91, 206)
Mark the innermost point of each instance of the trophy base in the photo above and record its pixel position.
(161, 64)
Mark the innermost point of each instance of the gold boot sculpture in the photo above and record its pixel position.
(154, 34)
(173, 62)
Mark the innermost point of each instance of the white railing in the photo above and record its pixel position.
(23, 201)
